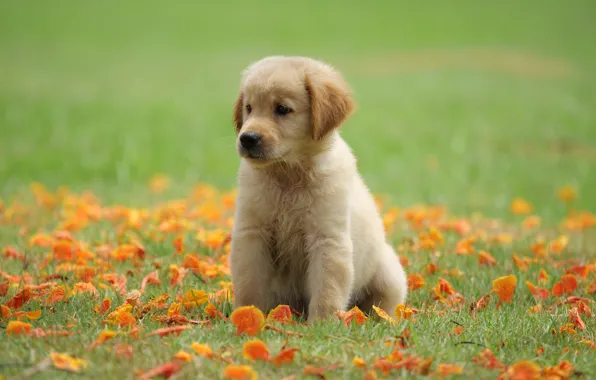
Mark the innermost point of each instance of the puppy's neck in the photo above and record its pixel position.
(303, 171)
(291, 174)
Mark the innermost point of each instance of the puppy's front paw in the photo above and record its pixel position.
(322, 311)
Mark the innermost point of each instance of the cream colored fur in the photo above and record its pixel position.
(307, 231)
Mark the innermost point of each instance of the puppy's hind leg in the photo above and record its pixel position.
(389, 286)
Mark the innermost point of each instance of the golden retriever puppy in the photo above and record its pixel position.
(307, 232)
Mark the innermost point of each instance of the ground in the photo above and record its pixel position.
(476, 128)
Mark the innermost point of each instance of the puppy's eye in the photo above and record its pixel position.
(282, 110)
(248, 109)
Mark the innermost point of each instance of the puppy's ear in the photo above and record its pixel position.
(238, 107)
(331, 103)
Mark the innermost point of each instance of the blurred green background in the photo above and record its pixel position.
(465, 103)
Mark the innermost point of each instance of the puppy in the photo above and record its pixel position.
(307, 232)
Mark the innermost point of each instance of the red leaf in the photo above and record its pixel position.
(165, 370)
(19, 299)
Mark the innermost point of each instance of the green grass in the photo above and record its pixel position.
(465, 104)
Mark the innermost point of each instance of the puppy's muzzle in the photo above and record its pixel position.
(251, 144)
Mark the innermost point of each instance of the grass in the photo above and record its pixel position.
(462, 104)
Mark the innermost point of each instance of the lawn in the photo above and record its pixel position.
(476, 127)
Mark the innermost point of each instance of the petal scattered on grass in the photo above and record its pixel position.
(202, 350)
(354, 314)
(444, 370)
(403, 312)
(104, 336)
(415, 281)
(522, 370)
(505, 287)
(176, 330)
(183, 355)
(18, 328)
(358, 362)
(285, 357)
(255, 350)
(487, 359)
(239, 372)
(383, 315)
(248, 320)
(281, 314)
(68, 363)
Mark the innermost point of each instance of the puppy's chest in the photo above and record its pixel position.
(287, 225)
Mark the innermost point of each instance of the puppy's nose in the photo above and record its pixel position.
(250, 140)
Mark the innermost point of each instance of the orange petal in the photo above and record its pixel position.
(521, 264)
(248, 320)
(319, 371)
(285, 357)
(282, 314)
(4, 288)
(174, 309)
(194, 298)
(178, 243)
(255, 350)
(82, 287)
(563, 370)
(542, 277)
(569, 283)
(106, 304)
(540, 293)
(240, 372)
(64, 250)
(558, 289)
(17, 328)
(169, 330)
(183, 355)
(211, 310)
(125, 319)
(505, 287)
(5, 311)
(449, 369)
(403, 312)
(57, 294)
(33, 315)
(359, 362)
(67, 363)
(520, 206)
(523, 370)
(105, 335)
(485, 258)
(152, 278)
(445, 287)
(381, 313)
(415, 281)
(202, 349)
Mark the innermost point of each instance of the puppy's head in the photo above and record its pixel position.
(287, 108)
